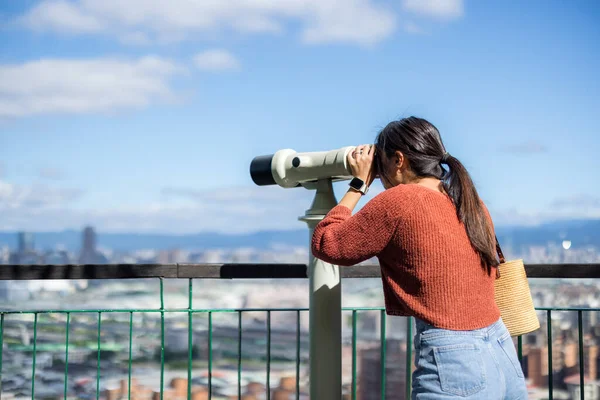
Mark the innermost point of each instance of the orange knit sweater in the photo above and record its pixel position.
(428, 267)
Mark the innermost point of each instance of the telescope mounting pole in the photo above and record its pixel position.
(325, 312)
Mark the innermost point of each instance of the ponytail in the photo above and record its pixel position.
(459, 186)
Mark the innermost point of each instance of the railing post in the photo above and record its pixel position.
(325, 313)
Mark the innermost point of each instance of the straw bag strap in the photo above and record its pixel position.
(500, 256)
(500, 253)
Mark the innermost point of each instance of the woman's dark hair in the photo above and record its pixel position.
(422, 145)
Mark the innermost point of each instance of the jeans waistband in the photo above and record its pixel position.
(429, 330)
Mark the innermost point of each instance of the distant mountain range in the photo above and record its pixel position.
(72, 240)
(580, 232)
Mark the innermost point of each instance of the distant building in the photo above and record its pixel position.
(4, 255)
(369, 384)
(254, 341)
(369, 326)
(536, 366)
(13, 258)
(25, 253)
(57, 257)
(88, 247)
(14, 291)
(25, 242)
(591, 387)
(89, 254)
(172, 256)
(591, 360)
(29, 258)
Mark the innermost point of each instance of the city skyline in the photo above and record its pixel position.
(144, 117)
(146, 337)
(554, 245)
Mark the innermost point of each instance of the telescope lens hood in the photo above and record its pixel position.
(260, 170)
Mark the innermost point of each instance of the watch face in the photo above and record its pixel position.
(356, 183)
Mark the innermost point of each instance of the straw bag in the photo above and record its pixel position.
(513, 296)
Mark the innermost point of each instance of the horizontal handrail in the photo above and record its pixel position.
(227, 310)
(241, 271)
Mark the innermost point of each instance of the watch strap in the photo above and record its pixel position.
(363, 189)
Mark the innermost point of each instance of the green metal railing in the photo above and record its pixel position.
(550, 342)
(192, 313)
(210, 312)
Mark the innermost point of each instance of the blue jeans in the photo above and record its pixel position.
(477, 364)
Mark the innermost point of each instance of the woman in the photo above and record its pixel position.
(435, 243)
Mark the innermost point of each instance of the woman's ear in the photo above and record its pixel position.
(399, 159)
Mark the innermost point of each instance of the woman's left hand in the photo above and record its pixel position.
(362, 163)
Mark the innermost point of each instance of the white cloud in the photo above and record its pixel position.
(411, 27)
(30, 198)
(528, 147)
(226, 210)
(241, 209)
(355, 21)
(51, 173)
(179, 210)
(136, 38)
(580, 206)
(442, 9)
(80, 86)
(6, 191)
(61, 16)
(581, 202)
(216, 60)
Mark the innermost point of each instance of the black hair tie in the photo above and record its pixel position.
(445, 158)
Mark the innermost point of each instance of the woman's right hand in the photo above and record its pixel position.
(362, 162)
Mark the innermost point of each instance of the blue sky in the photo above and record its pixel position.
(145, 115)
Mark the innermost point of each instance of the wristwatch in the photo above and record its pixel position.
(359, 185)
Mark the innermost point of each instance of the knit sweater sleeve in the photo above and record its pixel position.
(345, 239)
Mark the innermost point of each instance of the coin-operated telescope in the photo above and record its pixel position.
(288, 168)
(315, 170)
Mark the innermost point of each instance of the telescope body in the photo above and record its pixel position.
(288, 168)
